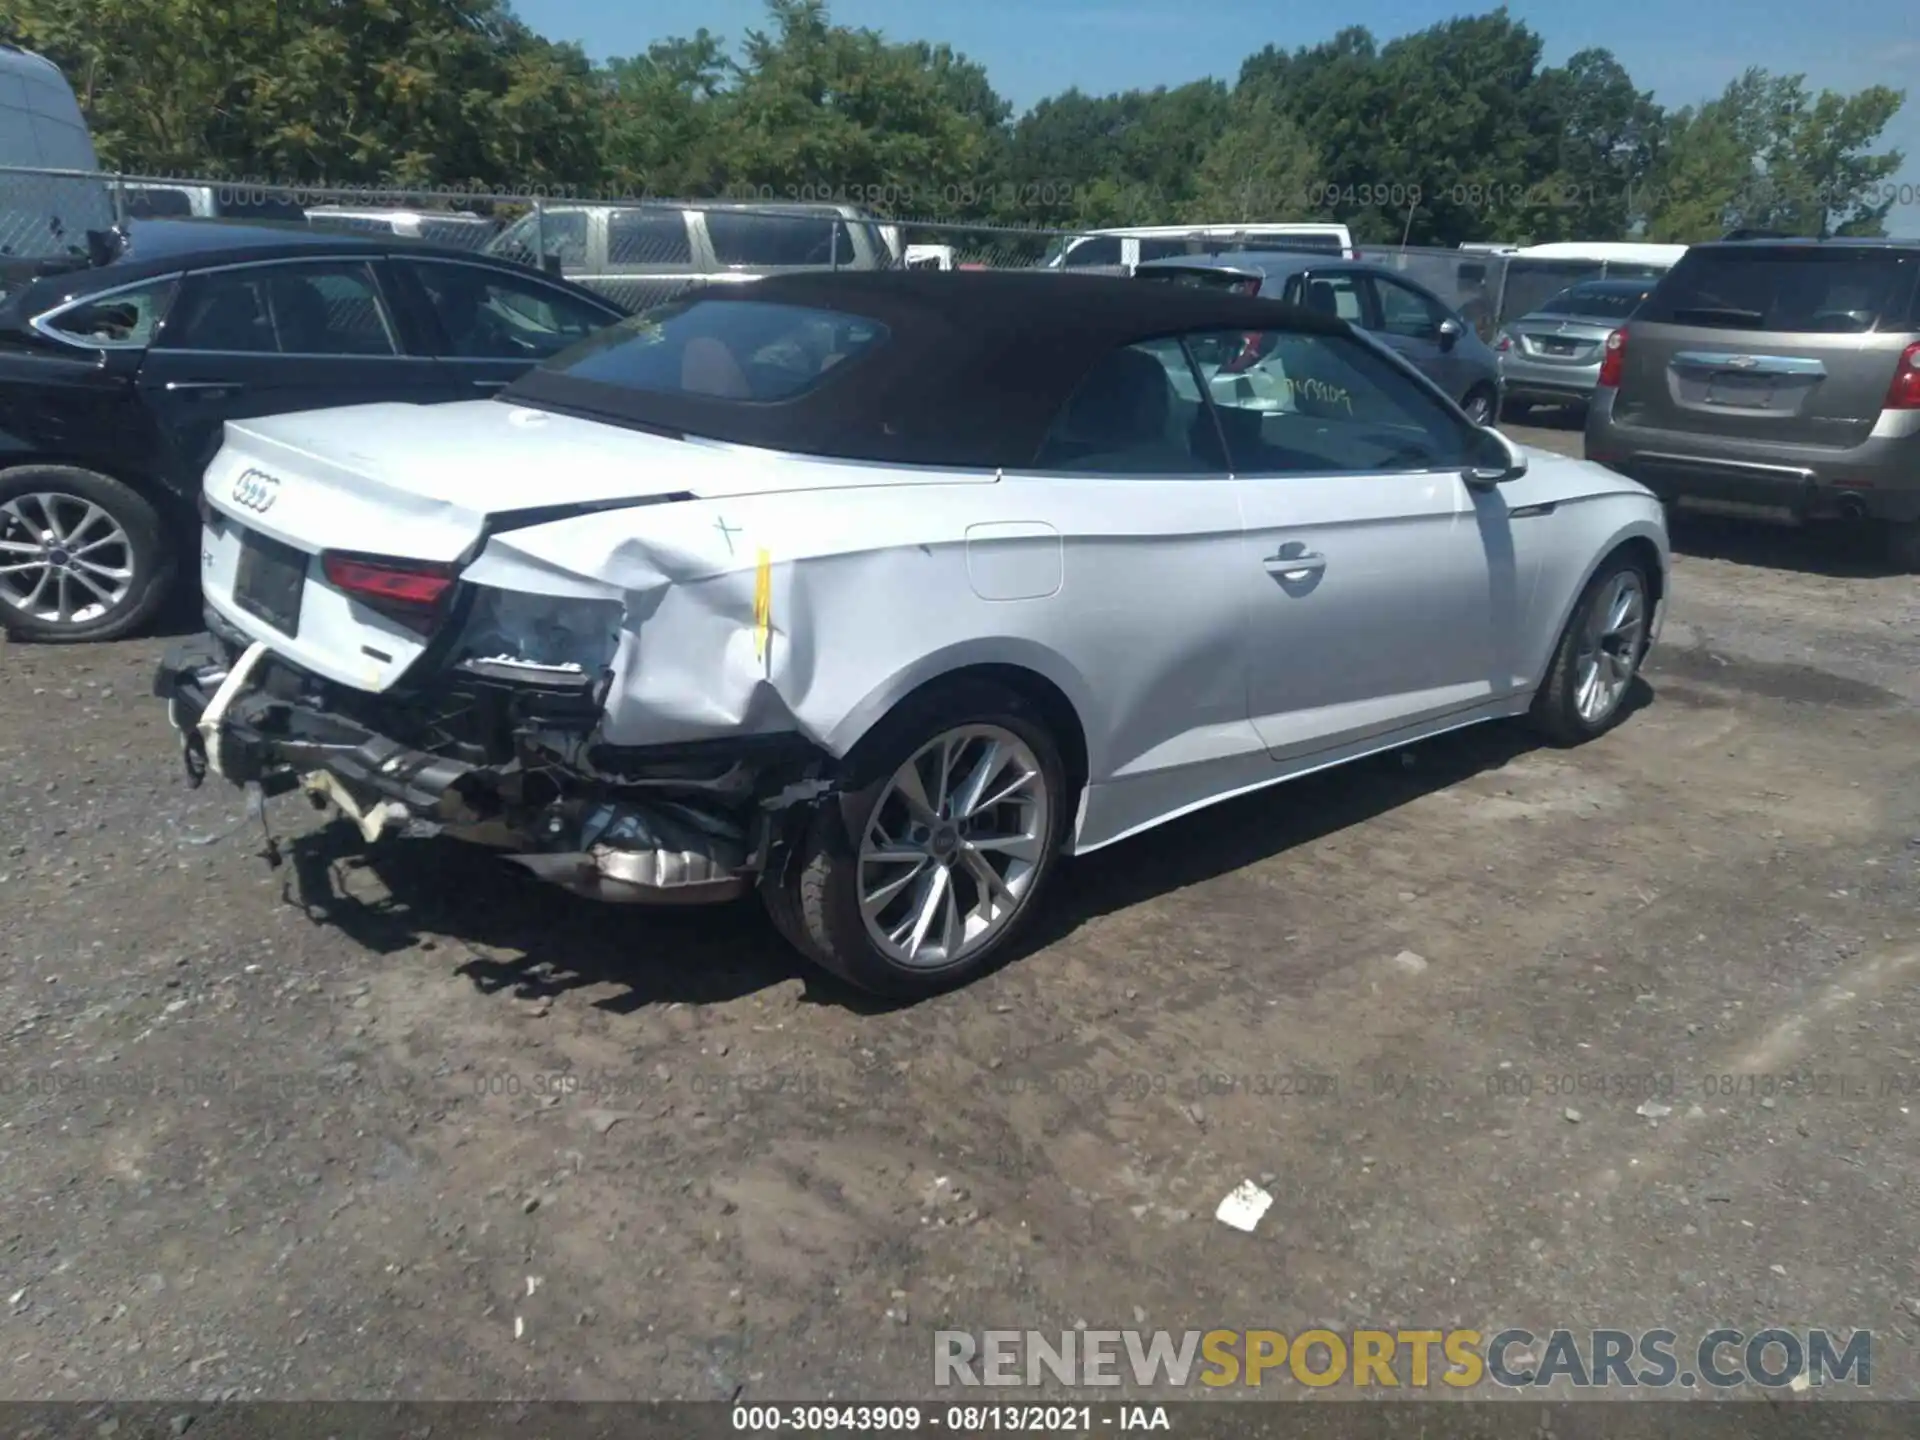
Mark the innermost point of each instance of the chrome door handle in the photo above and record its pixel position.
(174, 386)
(491, 384)
(1296, 567)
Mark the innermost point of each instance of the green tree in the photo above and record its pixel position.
(1768, 154)
(1600, 138)
(410, 91)
(1260, 166)
(663, 133)
(823, 111)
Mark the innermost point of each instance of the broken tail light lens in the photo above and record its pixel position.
(413, 592)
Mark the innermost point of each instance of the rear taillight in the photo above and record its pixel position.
(1904, 392)
(1614, 360)
(414, 592)
(1504, 343)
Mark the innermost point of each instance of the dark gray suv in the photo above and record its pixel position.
(1775, 380)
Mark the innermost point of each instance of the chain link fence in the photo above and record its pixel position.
(643, 250)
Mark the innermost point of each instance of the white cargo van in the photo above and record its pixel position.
(46, 217)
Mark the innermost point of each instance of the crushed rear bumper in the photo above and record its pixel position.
(244, 715)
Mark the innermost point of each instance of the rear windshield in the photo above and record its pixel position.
(1595, 304)
(723, 349)
(1802, 288)
(1202, 278)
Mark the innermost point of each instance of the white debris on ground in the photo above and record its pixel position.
(1244, 1207)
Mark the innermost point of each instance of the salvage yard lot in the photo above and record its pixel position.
(409, 1124)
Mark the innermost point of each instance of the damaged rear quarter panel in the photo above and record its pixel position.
(869, 595)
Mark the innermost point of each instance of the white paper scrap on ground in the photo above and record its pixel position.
(1244, 1207)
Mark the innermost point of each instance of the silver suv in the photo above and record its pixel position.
(645, 255)
(1776, 380)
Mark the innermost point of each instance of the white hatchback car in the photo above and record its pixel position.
(880, 592)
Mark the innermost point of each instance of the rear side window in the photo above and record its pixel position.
(1098, 250)
(747, 238)
(722, 349)
(319, 309)
(487, 316)
(648, 237)
(158, 204)
(562, 233)
(123, 321)
(1138, 412)
(1836, 290)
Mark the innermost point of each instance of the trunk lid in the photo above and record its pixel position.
(1793, 344)
(423, 484)
(1558, 340)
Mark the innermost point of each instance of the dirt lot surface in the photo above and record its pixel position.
(406, 1124)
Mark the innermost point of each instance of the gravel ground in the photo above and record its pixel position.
(403, 1123)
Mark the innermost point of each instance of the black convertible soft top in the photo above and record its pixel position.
(976, 365)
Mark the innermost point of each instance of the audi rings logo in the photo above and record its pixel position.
(256, 492)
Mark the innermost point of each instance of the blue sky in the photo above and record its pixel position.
(1032, 48)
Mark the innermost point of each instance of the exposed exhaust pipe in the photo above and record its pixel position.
(1853, 507)
(658, 853)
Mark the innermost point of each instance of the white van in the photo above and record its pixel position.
(45, 217)
(1128, 246)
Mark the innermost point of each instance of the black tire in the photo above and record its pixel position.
(1516, 411)
(1903, 545)
(1484, 400)
(815, 903)
(149, 551)
(1556, 712)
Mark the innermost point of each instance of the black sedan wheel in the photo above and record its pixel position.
(82, 557)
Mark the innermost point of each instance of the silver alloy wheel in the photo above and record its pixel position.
(953, 846)
(63, 559)
(1479, 408)
(1609, 650)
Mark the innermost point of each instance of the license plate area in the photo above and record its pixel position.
(269, 581)
(1744, 392)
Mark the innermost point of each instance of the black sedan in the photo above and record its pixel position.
(116, 382)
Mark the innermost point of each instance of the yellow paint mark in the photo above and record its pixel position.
(763, 605)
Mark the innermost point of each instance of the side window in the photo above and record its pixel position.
(563, 232)
(1338, 294)
(294, 309)
(1407, 312)
(749, 238)
(489, 316)
(648, 237)
(1096, 250)
(1161, 249)
(1303, 404)
(1137, 412)
(123, 321)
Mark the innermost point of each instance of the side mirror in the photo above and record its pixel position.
(1450, 333)
(550, 264)
(1496, 460)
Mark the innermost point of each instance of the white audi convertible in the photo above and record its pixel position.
(879, 593)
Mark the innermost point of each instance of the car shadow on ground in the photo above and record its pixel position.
(531, 941)
(1838, 551)
(1570, 418)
